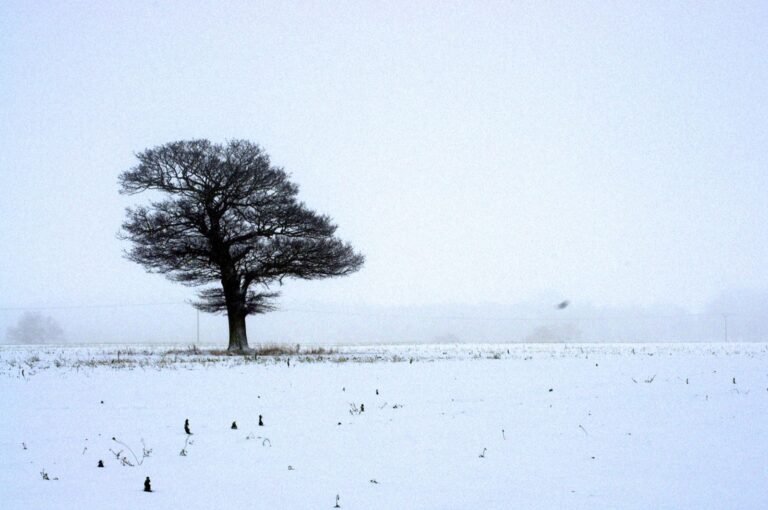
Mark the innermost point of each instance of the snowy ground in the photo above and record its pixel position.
(453, 426)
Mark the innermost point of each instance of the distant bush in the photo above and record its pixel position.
(35, 328)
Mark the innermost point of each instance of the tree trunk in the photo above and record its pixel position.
(235, 301)
(238, 340)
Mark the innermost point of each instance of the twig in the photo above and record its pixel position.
(145, 453)
(183, 451)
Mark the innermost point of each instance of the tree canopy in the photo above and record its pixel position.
(225, 215)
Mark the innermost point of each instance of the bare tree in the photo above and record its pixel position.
(227, 216)
(35, 328)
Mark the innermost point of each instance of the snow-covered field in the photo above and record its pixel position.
(452, 426)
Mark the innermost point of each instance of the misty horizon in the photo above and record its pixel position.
(734, 318)
(613, 156)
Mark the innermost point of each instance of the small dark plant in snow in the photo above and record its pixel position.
(649, 381)
(44, 476)
(482, 455)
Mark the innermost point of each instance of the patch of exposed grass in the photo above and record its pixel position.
(190, 350)
(275, 350)
(317, 351)
(290, 350)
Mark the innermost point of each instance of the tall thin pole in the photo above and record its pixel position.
(725, 327)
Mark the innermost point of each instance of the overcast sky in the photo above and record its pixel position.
(610, 153)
